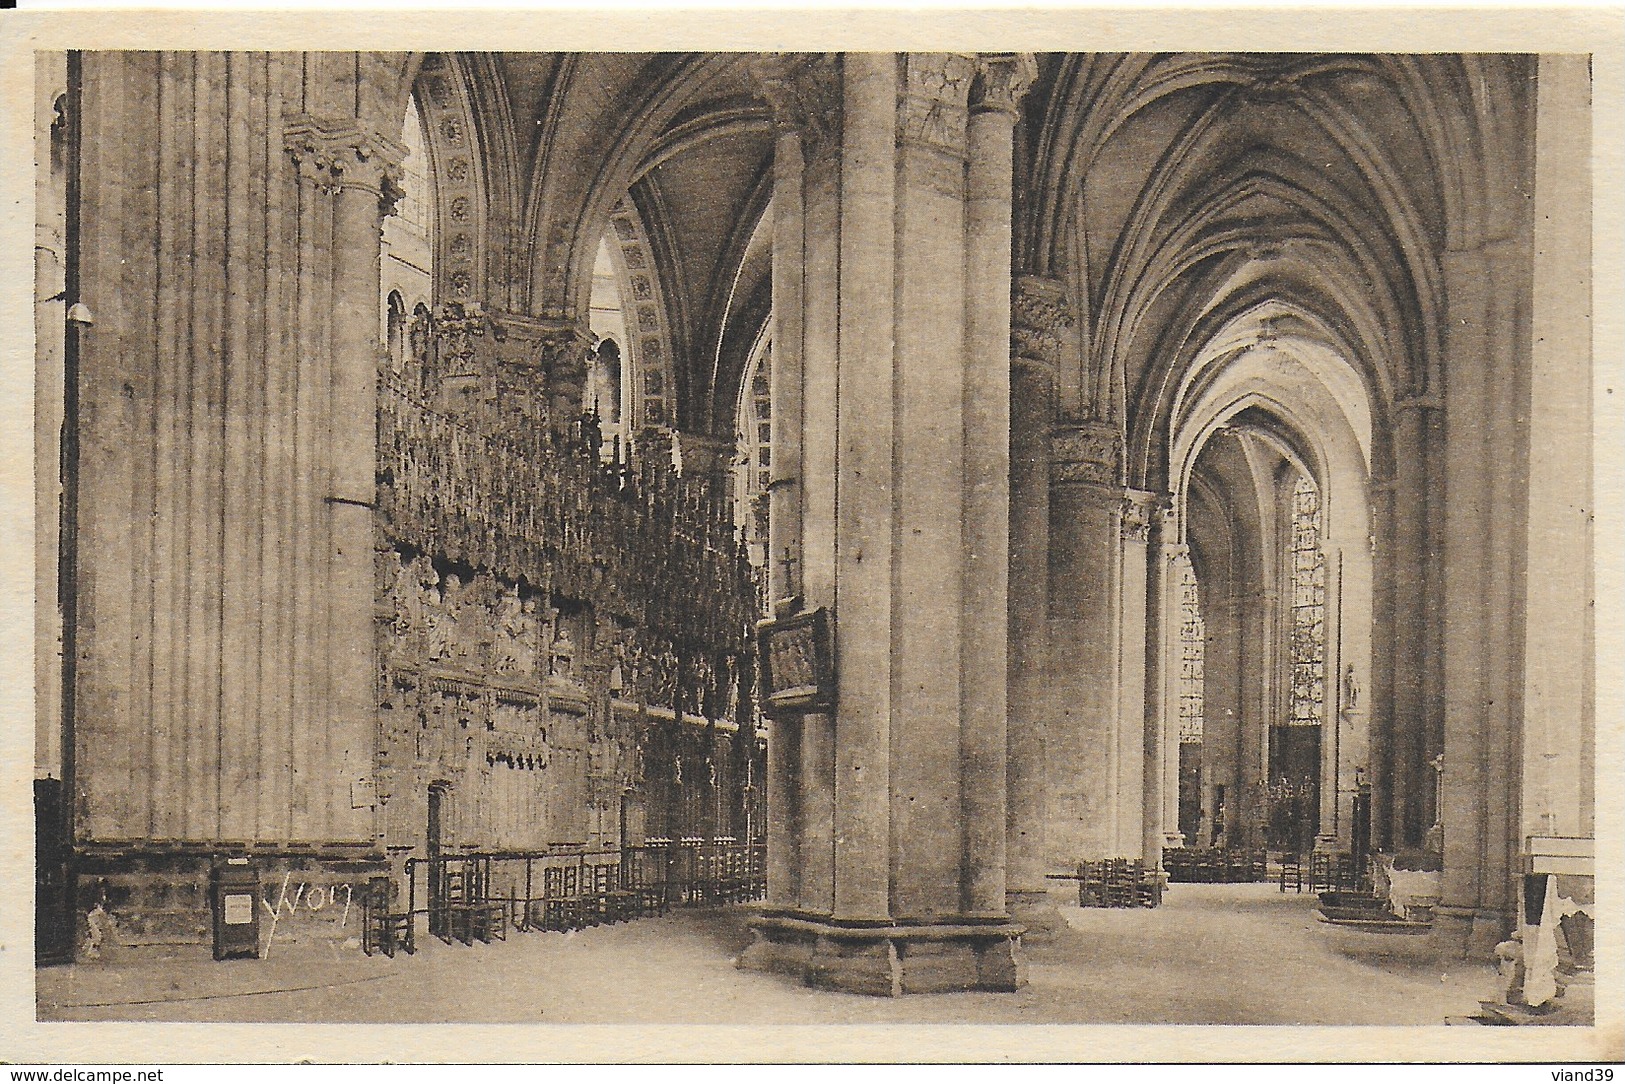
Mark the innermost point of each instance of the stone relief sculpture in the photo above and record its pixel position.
(512, 650)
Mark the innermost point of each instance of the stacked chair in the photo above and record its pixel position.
(1118, 882)
(1207, 865)
(480, 897)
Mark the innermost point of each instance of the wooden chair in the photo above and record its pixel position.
(384, 930)
(559, 909)
(470, 914)
(1292, 872)
(611, 902)
(1147, 884)
(652, 879)
(1091, 884)
(1122, 883)
(1331, 872)
(736, 875)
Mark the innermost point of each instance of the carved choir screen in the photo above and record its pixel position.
(563, 621)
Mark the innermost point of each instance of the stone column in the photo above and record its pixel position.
(52, 158)
(805, 91)
(710, 459)
(1332, 832)
(931, 492)
(785, 372)
(1413, 745)
(1559, 747)
(1259, 664)
(892, 342)
(1083, 775)
(1138, 786)
(1038, 317)
(366, 173)
(785, 735)
(1351, 599)
(562, 348)
(816, 829)
(866, 420)
(984, 672)
(1382, 761)
(1165, 583)
(1172, 555)
(224, 576)
(1222, 733)
(1484, 544)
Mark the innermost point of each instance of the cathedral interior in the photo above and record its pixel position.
(887, 491)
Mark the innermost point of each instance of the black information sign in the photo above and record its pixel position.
(798, 672)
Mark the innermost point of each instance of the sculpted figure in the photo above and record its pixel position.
(437, 621)
(562, 658)
(403, 596)
(512, 650)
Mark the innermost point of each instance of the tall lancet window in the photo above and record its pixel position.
(753, 456)
(609, 363)
(1308, 573)
(406, 269)
(1192, 645)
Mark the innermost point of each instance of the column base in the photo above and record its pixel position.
(888, 961)
(1468, 933)
(1038, 915)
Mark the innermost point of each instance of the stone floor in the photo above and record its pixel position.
(1212, 954)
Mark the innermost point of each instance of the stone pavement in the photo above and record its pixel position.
(1212, 954)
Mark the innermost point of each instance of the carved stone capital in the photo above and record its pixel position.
(1039, 319)
(562, 353)
(1002, 80)
(933, 101)
(1140, 508)
(562, 349)
(339, 154)
(1090, 453)
(804, 91)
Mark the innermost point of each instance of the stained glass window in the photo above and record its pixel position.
(1308, 574)
(754, 457)
(1192, 645)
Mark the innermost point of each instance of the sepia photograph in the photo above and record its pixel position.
(754, 537)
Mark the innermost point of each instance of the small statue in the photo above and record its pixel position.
(440, 623)
(562, 656)
(514, 629)
(404, 596)
(1351, 689)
